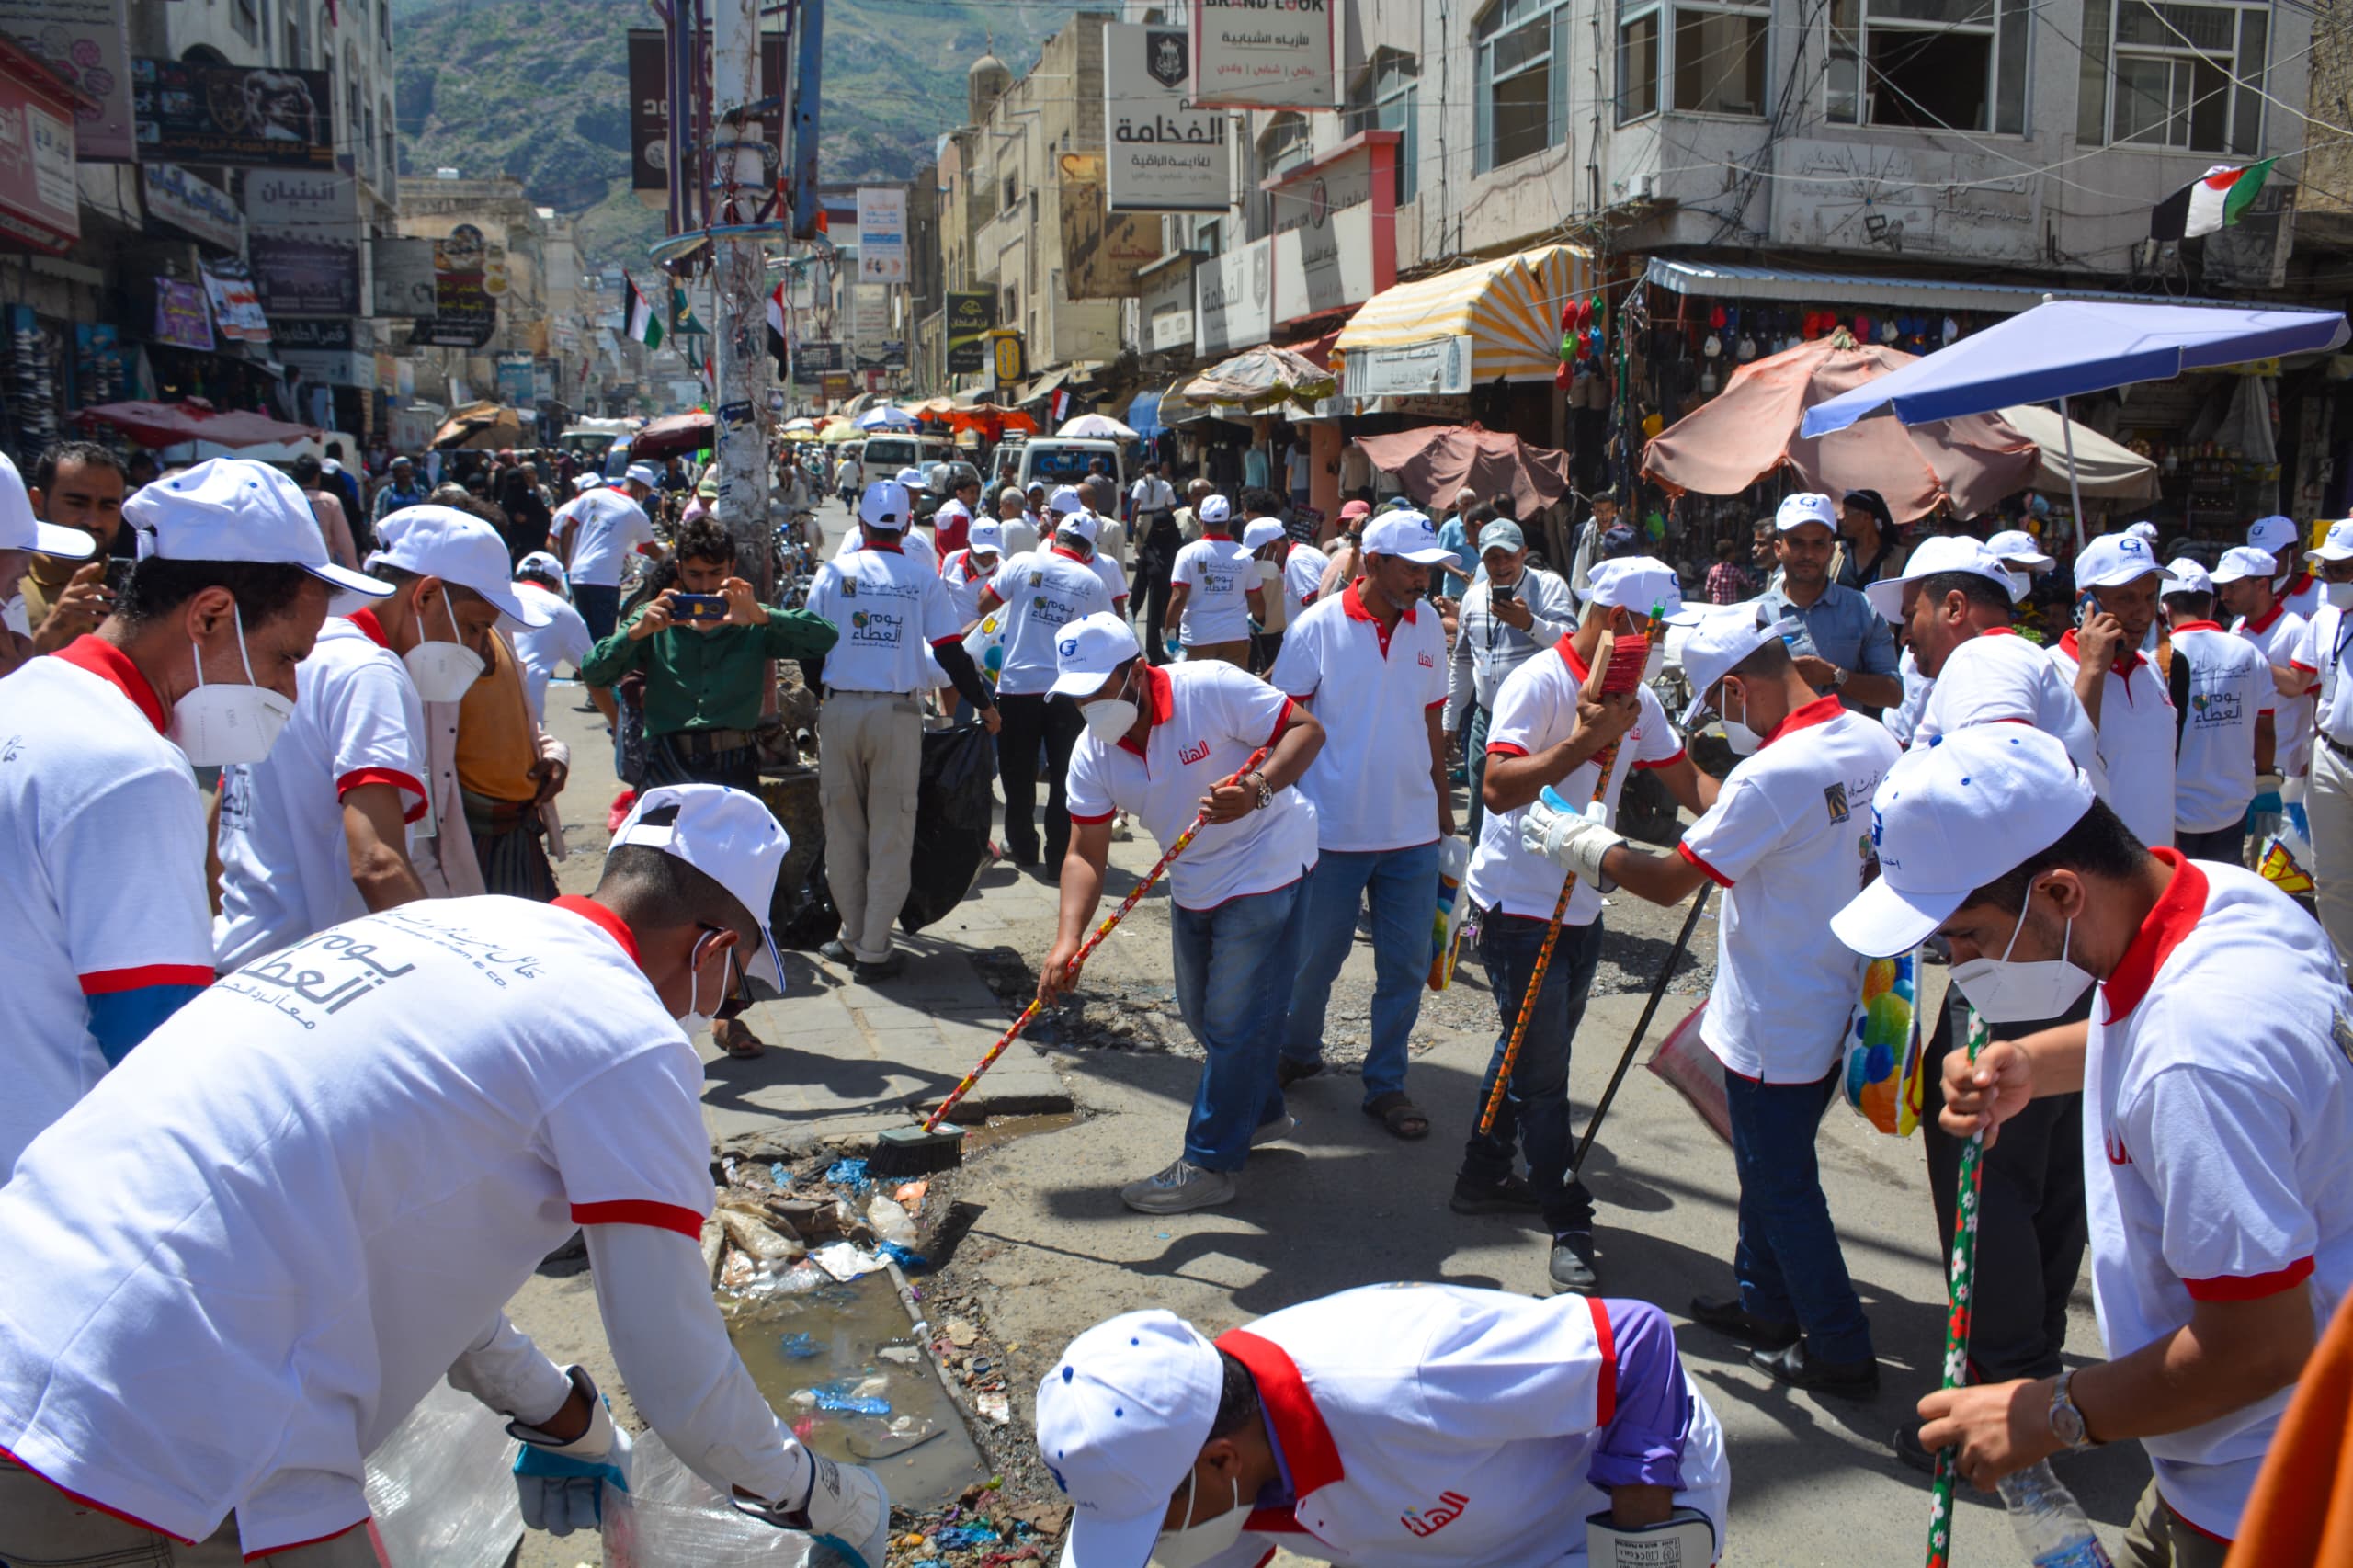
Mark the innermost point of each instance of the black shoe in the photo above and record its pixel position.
(1795, 1367)
(1025, 858)
(1510, 1195)
(1730, 1317)
(1911, 1450)
(1572, 1267)
(882, 969)
(836, 951)
(1289, 1072)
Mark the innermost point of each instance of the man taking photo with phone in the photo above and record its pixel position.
(75, 485)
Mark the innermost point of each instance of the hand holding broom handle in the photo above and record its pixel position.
(1960, 1288)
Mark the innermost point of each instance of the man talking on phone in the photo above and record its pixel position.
(1507, 617)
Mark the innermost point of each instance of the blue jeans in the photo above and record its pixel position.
(1474, 738)
(1788, 1262)
(1535, 1111)
(1234, 965)
(1403, 884)
(599, 607)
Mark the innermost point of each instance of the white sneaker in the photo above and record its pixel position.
(1183, 1186)
(1274, 1131)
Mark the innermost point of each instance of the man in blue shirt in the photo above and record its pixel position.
(1842, 644)
(1460, 533)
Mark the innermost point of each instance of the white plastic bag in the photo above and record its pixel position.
(442, 1486)
(671, 1517)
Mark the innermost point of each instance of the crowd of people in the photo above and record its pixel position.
(315, 1065)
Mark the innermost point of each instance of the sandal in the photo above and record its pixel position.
(739, 1042)
(1400, 1114)
(1287, 1071)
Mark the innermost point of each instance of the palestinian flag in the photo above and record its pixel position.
(644, 322)
(2215, 201)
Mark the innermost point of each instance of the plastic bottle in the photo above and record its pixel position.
(2047, 1521)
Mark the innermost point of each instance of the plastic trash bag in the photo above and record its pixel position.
(804, 917)
(1880, 1075)
(986, 643)
(1687, 1064)
(440, 1487)
(954, 805)
(671, 1517)
(1446, 928)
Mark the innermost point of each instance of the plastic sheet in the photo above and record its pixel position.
(671, 1517)
(1695, 1072)
(440, 1487)
(954, 807)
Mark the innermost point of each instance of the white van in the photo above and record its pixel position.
(1051, 460)
(888, 451)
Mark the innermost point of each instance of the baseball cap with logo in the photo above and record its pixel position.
(1407, 534)
(1214, 511)
(1066, 498)
(1945, 552)
(2337, 545)
(912, 479)
(2244, 561)
(2115, 559)
(19, 529)
(1080, 523)
(1121, 1419)
(236, 509)
(2273, 534)
(1796, 511)
(2018, 547)
(2188, 578)
(1717, 641)
(1949, 818)
(1260, 532)
(442, 541)
(1635, 583)
(1089, 649)
(985, 537)
(885, 504)
(726, 834)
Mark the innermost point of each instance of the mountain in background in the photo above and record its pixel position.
(539, 89)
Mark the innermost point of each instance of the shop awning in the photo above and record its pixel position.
(169, 424)
(1143, 415)
(1510, 308)
(1044, 386)
(674, 435)
(1736, 280)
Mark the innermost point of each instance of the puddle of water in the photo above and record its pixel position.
(1003, 1130)
(832, 1340)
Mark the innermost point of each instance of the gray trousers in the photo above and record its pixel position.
(39, 1524)
(870, 757)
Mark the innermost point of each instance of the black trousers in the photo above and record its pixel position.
(1155, 559)
(2030, 1224)
(1029, 721)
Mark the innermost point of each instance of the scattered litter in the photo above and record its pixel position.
(854, 1405)
(801, 1346)
(997, 1407)
(957, 1537)
(850, 1174)
(845, 1260)
(781, 1176)
(962, 1333)
(910, 1196)
(907, 1258)
(889, 1221)
(1046, 1518)
(904, 1354)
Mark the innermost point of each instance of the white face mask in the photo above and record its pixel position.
(694, 1020)
(1743, 740)
(1195, 1544)
(443, 671)
(218, 726)
(1109, 718)
(2006, 992)
(2338, 594)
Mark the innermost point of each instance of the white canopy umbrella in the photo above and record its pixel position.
(1096, 427)
(886, 417)
(2101, 468)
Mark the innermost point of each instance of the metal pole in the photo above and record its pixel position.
(2075, 491)
(1650, 1011)
(743, 181)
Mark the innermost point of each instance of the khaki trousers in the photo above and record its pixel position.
(42, 1528)
(870, 757)
(2328, 806)
(2161, 1538)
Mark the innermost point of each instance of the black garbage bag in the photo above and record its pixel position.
(954, 802)
(802, 914)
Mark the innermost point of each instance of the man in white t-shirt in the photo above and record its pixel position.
(2242, 582)
(1371, 664)
(2219, 686)
(2329, 802)
(240, 1262)
(2296, 587)
(1020, 523)
(1545, 732)
(600, 530)
(317, 833)
(2217, 1136)
(967, 572)
(540, 581)
(1171, 746)
(2134, 717)
(1213, 591)
(1789, 839)
(1042, 591)
(1079, 529)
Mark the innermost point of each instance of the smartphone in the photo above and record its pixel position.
(697, 607)
(1502, 592)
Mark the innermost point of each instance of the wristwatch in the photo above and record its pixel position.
(1266, 796)
(2066, 1421)
(1838, 674)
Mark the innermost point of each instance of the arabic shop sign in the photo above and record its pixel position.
(1264, 54)
(1439, 366)
(1161, 155)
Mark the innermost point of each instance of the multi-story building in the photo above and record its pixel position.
(531, 273)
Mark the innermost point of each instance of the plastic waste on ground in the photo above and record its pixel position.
(440, 1488)
(889, 1221)
(845, 1260)
(2049, 1523)
(671, 1517)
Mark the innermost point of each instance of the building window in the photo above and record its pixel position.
(1208, 236)
(1638, 62)
(1523, 81)
(1388, 98)
(2159, 74)
(1695, 59)
(1938, 64)
(1284, 145)
(384, 23)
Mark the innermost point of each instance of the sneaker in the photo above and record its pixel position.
(1572, 1267)
(1183, 1186)
(836, 951)
(1510, 1195)
(1274, 1131)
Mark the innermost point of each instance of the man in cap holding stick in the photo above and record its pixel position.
(1788, 838)
(2217, 1139)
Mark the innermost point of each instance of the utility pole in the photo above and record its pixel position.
(743, 176)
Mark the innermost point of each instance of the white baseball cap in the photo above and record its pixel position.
(236, 509)
(644, 473)
(1260, 532)
(1089, 649)
(2243, 561)
(581, 482)
(726, 834)
(19, 529)
(2188, 578)
(1935, 556)
(1213, 510)
(1635, 583)
(1079, 525)
(885, 504)
(1408, 534)
(1121, 1417)
(1796, 511)
(1949, 818)
(541, 561)
(2018, 548)
(442, 541)
(2143, 529)
(911, 478)
(2113, 560)
(2273, 534)
(2337, 545)
(1718, 640)
(985, 537)
(1066, 498)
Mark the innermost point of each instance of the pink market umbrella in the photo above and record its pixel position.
(169, 424)
(1436, 461)
(1752, 427)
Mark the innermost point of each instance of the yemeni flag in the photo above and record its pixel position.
(644, 321)
(2218, 200)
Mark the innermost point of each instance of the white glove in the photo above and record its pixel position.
(845, 1507)
(561, 1485)
(1573, 843)
(1683, 1540)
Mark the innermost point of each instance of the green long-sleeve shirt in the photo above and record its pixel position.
(707, 680)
